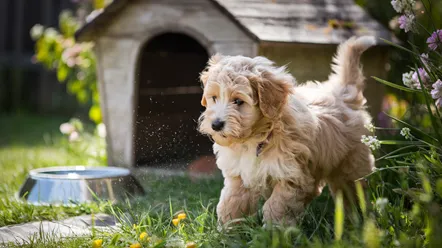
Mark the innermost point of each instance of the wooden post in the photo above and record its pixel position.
(46, 84)
(17, 78)
(3, 25)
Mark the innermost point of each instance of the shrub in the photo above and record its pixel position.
(409, 191)
(73, 62)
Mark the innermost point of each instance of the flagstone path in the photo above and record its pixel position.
(76, 226)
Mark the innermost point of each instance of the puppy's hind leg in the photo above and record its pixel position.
(358, 163)
(236, 200)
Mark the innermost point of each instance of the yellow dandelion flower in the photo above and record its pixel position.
(176, 222)
(144, 236)
(97, 243)
(135, 245)
(182, 216)
(191, 245)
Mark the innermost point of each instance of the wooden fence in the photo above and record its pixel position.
(23, 84)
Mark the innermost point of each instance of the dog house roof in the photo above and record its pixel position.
(301, 21)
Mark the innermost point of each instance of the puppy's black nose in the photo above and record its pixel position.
(217, 125)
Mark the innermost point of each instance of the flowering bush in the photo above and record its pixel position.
(74, 62)
(427, 69)
(84, 143)
(410, 203)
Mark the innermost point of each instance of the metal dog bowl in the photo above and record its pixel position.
(79, 184)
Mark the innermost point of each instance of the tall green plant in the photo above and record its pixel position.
(73, 62)
(416, 161)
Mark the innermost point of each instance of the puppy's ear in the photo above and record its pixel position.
(212, 61)
(203, 101)
(273, 93)
(204, 76)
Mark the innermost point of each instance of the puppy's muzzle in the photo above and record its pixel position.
(218, 125)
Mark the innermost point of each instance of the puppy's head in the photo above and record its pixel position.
(242, 96)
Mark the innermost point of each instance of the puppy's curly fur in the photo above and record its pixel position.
(282, 141)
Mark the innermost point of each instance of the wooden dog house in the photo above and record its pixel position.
(150, 53)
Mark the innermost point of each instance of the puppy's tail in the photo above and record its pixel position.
(347, 70)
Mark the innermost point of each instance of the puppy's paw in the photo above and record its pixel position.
(273, 212)
(230, 224)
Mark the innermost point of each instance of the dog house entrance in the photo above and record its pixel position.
(169, 97)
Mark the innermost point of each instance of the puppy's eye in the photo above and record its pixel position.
(238, 102)
(214, 98)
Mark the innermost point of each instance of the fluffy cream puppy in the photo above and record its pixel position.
(283, 142)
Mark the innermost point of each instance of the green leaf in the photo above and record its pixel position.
(115, 239)
(339, 216)
(95, 96)
(361, 197)
(393, 85)
(75, 86)
(82, 96)
(99, 4)
(439, 186)
(399, 142)
(426, 184)
(62, 72)
(95, 114)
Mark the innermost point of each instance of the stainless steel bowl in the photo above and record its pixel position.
(79, 184)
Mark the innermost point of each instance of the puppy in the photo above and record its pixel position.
(284, 142)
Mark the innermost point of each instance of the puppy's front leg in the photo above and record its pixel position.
(287, 202)
(235, 200)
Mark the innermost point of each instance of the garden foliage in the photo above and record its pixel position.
(74, 62)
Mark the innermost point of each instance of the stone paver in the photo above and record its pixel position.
(76, 226)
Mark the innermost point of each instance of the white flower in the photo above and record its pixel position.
(101, 130)
(67, 128)
(406, 133)
(74, 136)
(403, 6)
(422, 77)
(409, 5)
(370, 127)
(51, 33)
(407, 79)
(436, 92)
(397, 5)
(37, 31)
(371, 141)
(406, 22)
(381, 203)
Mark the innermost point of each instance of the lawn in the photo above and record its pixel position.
(28, 142)
(389, 220)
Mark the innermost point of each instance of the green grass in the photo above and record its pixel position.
(29, 142)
